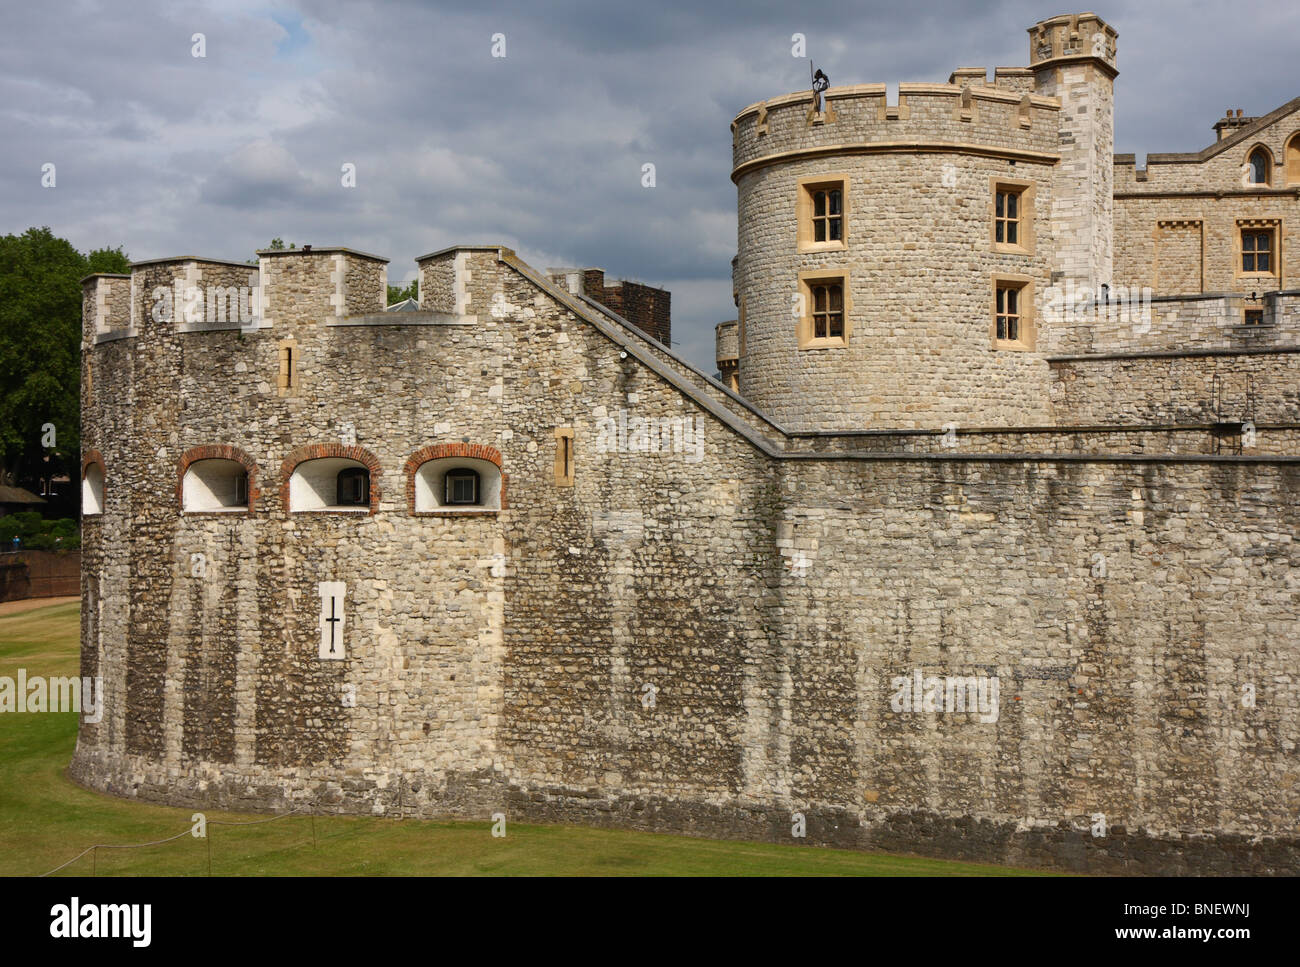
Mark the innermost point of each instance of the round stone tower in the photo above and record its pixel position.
(893, 259)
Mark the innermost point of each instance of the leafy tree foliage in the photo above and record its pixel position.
(40, 352)
(397, 294)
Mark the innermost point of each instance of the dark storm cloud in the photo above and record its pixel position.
(542, 150)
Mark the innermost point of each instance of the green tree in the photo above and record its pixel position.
(40, 351)
(397, 294)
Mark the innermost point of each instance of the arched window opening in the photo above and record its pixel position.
(1259, 163)
(1293, 160)
(457, 485)
(92, 490)
(215, 486)
(329, 484)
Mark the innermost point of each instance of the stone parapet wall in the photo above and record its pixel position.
(768, 600)
(1178, 388)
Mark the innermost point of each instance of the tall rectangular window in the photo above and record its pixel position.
(828, 310)
(1011, 216)
(1008, 313)
(828, 214)
(825, 307)
(1011, 316)
(564, 456)
(1256, 251)
(822, 213)
(1006, 217)
(286, 381)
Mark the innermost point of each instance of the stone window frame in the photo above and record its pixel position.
(1291, 159)
(1257, 312)
(440, 451)
(1025, 228)
(804, 211)
(317, 451)
(286, 381)
(804, 327)
(93, 458)
(1259, 148)
(564, 456)
(219, 451)
(1273, 226)
(1028, 338)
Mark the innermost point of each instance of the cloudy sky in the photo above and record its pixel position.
(167, 154)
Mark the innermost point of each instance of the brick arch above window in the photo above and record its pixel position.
(93, 458)
(316, 451)
(217, 451)
(439, 451)
(92, 498)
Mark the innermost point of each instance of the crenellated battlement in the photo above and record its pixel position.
(1072, 38)
(966, 115)
(189, 293)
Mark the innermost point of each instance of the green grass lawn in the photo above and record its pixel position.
(46, 820)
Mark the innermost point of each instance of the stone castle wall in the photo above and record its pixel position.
(1180, 244)
(1176, 221)
(766, 600)
(1164, 388)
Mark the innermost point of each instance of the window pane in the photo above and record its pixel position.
(1262, 260)
(1002, 327)
(837, 325)
(1011, 204)
(819, 298)
(1002, 301)
(1001, 204)
(835, 202)
(835, 229)
(837, 298)
(1013, 297)
(1013, 328)
(999, 233)
(819, 230)
(819, 203)
(1012, 234)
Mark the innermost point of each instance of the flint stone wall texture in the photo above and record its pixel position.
(501, 662)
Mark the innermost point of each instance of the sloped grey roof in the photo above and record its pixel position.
(17, 495)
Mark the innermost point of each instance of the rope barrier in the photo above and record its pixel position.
(186, 832)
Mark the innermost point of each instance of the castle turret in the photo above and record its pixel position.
(891, 256)
(1073, 60)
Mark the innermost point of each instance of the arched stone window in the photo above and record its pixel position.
(1260, 163)
(92, 484)
(1293, 160)
(215, 485)
(327, 477)
(455, 478)
(217, 480)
